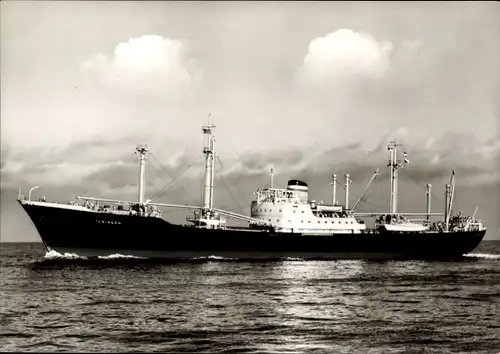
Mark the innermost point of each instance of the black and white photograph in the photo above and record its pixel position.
(250, 176)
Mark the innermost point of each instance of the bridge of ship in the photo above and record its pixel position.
(277, 195)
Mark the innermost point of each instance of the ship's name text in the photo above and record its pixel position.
(108, 222)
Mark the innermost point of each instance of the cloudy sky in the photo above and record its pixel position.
(308, 88)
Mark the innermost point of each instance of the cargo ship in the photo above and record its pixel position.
(283, 223)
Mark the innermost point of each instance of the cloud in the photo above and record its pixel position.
(4, 154)
(100, 168)
(411, 45)
(147, 63)
(113, 165)
(476, 161)
(345, 54)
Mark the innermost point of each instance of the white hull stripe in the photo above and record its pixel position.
(59, 206)
(297, 188)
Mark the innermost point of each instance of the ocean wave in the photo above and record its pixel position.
(292, 259)
(213, 258)
(483, 255)
(120, 256)
(50, 255)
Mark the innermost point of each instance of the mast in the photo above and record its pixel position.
(450, 190)
(446, 205)
(209, 151)
(334, 189)
(391, 154)
(212, 181)
(452, 183)
(428, 194)
(394, 165)
(272, 177)
(141, 150)
(347, 191)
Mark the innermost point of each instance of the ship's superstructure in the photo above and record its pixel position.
(282, 221)
(290, 210)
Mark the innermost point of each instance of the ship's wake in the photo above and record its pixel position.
(211, 258)
(54, 255)
(120, 256)
(54, 258)
(483, 256)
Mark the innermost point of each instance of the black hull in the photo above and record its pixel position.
(100, 234)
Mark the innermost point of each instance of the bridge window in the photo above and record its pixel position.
(302, 211)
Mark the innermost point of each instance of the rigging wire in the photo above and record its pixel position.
(240, 159)
(412, 178)
(165, 189)
(164, 169)
(362, 199)
(378, 181)
(424, 187)
(238, 155)
(227, 187)
(157, 173)
(155, 170)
